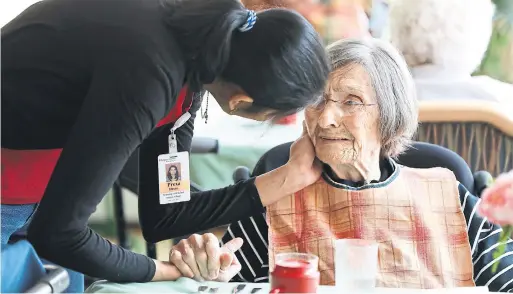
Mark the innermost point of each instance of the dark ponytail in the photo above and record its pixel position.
(204, 28)
(280, 62)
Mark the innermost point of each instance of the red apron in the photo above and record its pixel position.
(26, 173)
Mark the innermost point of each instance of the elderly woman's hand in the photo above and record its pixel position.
(200, 257)
(303, 161)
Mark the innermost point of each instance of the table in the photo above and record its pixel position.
(185, 285)
(241, 143)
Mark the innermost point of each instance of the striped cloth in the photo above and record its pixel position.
(483, 237)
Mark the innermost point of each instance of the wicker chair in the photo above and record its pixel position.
(480, 132)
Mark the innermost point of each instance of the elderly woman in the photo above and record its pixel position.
(425, 222)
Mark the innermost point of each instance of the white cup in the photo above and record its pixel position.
(356, 264)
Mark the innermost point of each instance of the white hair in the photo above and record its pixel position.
(393, 87)
(448, 33)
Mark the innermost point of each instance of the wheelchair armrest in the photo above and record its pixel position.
(55, 281)
(241, 173)
(202, 145)
(482, 179)
(196, 188)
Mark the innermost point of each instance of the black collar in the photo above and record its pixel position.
(386, 166)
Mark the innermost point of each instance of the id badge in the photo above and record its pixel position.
(174, 183)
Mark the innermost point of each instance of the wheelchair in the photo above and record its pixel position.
(26, 273)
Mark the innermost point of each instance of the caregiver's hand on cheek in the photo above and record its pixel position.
(302, 170)
(302, 160)
(200, 257)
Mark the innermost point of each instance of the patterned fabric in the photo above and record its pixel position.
(482, 146)
(415, 216)
(483, 237)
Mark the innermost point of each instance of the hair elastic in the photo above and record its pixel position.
(250, 21)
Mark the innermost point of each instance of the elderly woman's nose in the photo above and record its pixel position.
(330, 117)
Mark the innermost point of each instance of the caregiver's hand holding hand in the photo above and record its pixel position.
(302, 170)
(200, 257)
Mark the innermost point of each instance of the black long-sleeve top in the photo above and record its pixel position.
(93, 78)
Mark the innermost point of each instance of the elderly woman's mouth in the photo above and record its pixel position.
(326, 138)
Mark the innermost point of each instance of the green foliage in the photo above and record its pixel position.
(498, 60)
(504, 10)
(505, 235)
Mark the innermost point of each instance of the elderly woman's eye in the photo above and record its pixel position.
(352, 102)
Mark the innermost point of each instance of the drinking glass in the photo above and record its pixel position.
(356, 264)
(295, 273)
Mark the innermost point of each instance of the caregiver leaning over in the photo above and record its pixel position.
(95, 77)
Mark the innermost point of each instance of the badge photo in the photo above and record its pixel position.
(174, 183)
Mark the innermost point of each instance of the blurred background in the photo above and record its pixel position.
(458, 50)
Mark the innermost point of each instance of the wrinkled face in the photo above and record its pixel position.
(344, 125)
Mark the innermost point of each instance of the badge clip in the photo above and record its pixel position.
(173, 145)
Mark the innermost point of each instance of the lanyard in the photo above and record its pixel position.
(172, 137)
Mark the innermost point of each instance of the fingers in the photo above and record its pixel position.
(200, 255)
(213, 251)
(232, 270)
(226, 260)
(228, 252)
(233, 245)
(175, 257)
(227, 274)
(302, 145)
(188, 256)
(236, 263)
(305, 136)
